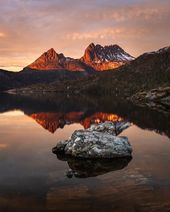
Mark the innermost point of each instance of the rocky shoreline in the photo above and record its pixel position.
(157, 99)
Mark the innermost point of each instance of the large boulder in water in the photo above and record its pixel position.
(94, 144)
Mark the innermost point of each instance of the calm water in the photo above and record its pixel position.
(32, 178)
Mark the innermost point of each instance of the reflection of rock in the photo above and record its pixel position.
(114, 128)
(94, 144)
(91, 168)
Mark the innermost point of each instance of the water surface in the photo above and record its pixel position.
(33, 179)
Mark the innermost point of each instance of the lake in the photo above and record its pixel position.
(32, 178)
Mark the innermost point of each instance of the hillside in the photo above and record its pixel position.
(148, 71)
(8, 79)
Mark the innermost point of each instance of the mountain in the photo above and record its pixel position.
(96, 57)
(148, 71)
(65, 69)
(51, 60)
(53, 67)
(105, 58)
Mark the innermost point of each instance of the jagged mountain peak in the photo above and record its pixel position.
(51, 60)
(51, 51)
(97, 53)
(105, 57)
(51, 54)
(98, 46)
(91, 46)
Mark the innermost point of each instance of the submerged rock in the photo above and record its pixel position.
(94, 144)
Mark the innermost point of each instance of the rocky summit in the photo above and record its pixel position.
(105, 58)
(51, 60)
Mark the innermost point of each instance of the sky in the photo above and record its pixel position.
(30, 27)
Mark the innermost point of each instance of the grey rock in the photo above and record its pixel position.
(114, 128)
(93, 144)
(157, 99)
(60, 146)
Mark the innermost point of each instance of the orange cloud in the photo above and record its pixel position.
(3, 146)
(101, 34)
(2, 35)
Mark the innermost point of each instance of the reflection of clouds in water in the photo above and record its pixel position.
(3, 146)
(13, 113)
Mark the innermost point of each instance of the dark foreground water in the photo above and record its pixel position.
(32, 178)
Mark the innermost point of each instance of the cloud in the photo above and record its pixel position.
(30, 27)
(97, 34)
(2, 35)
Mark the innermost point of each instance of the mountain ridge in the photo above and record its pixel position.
(149, 71)
(96, 57)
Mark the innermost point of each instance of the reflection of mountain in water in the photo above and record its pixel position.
(54, 112)
(90, 168)
(53, 121)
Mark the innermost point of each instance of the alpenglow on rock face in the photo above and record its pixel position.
(93, 144)
(51, 60)
(96, 58)
(105, 57)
